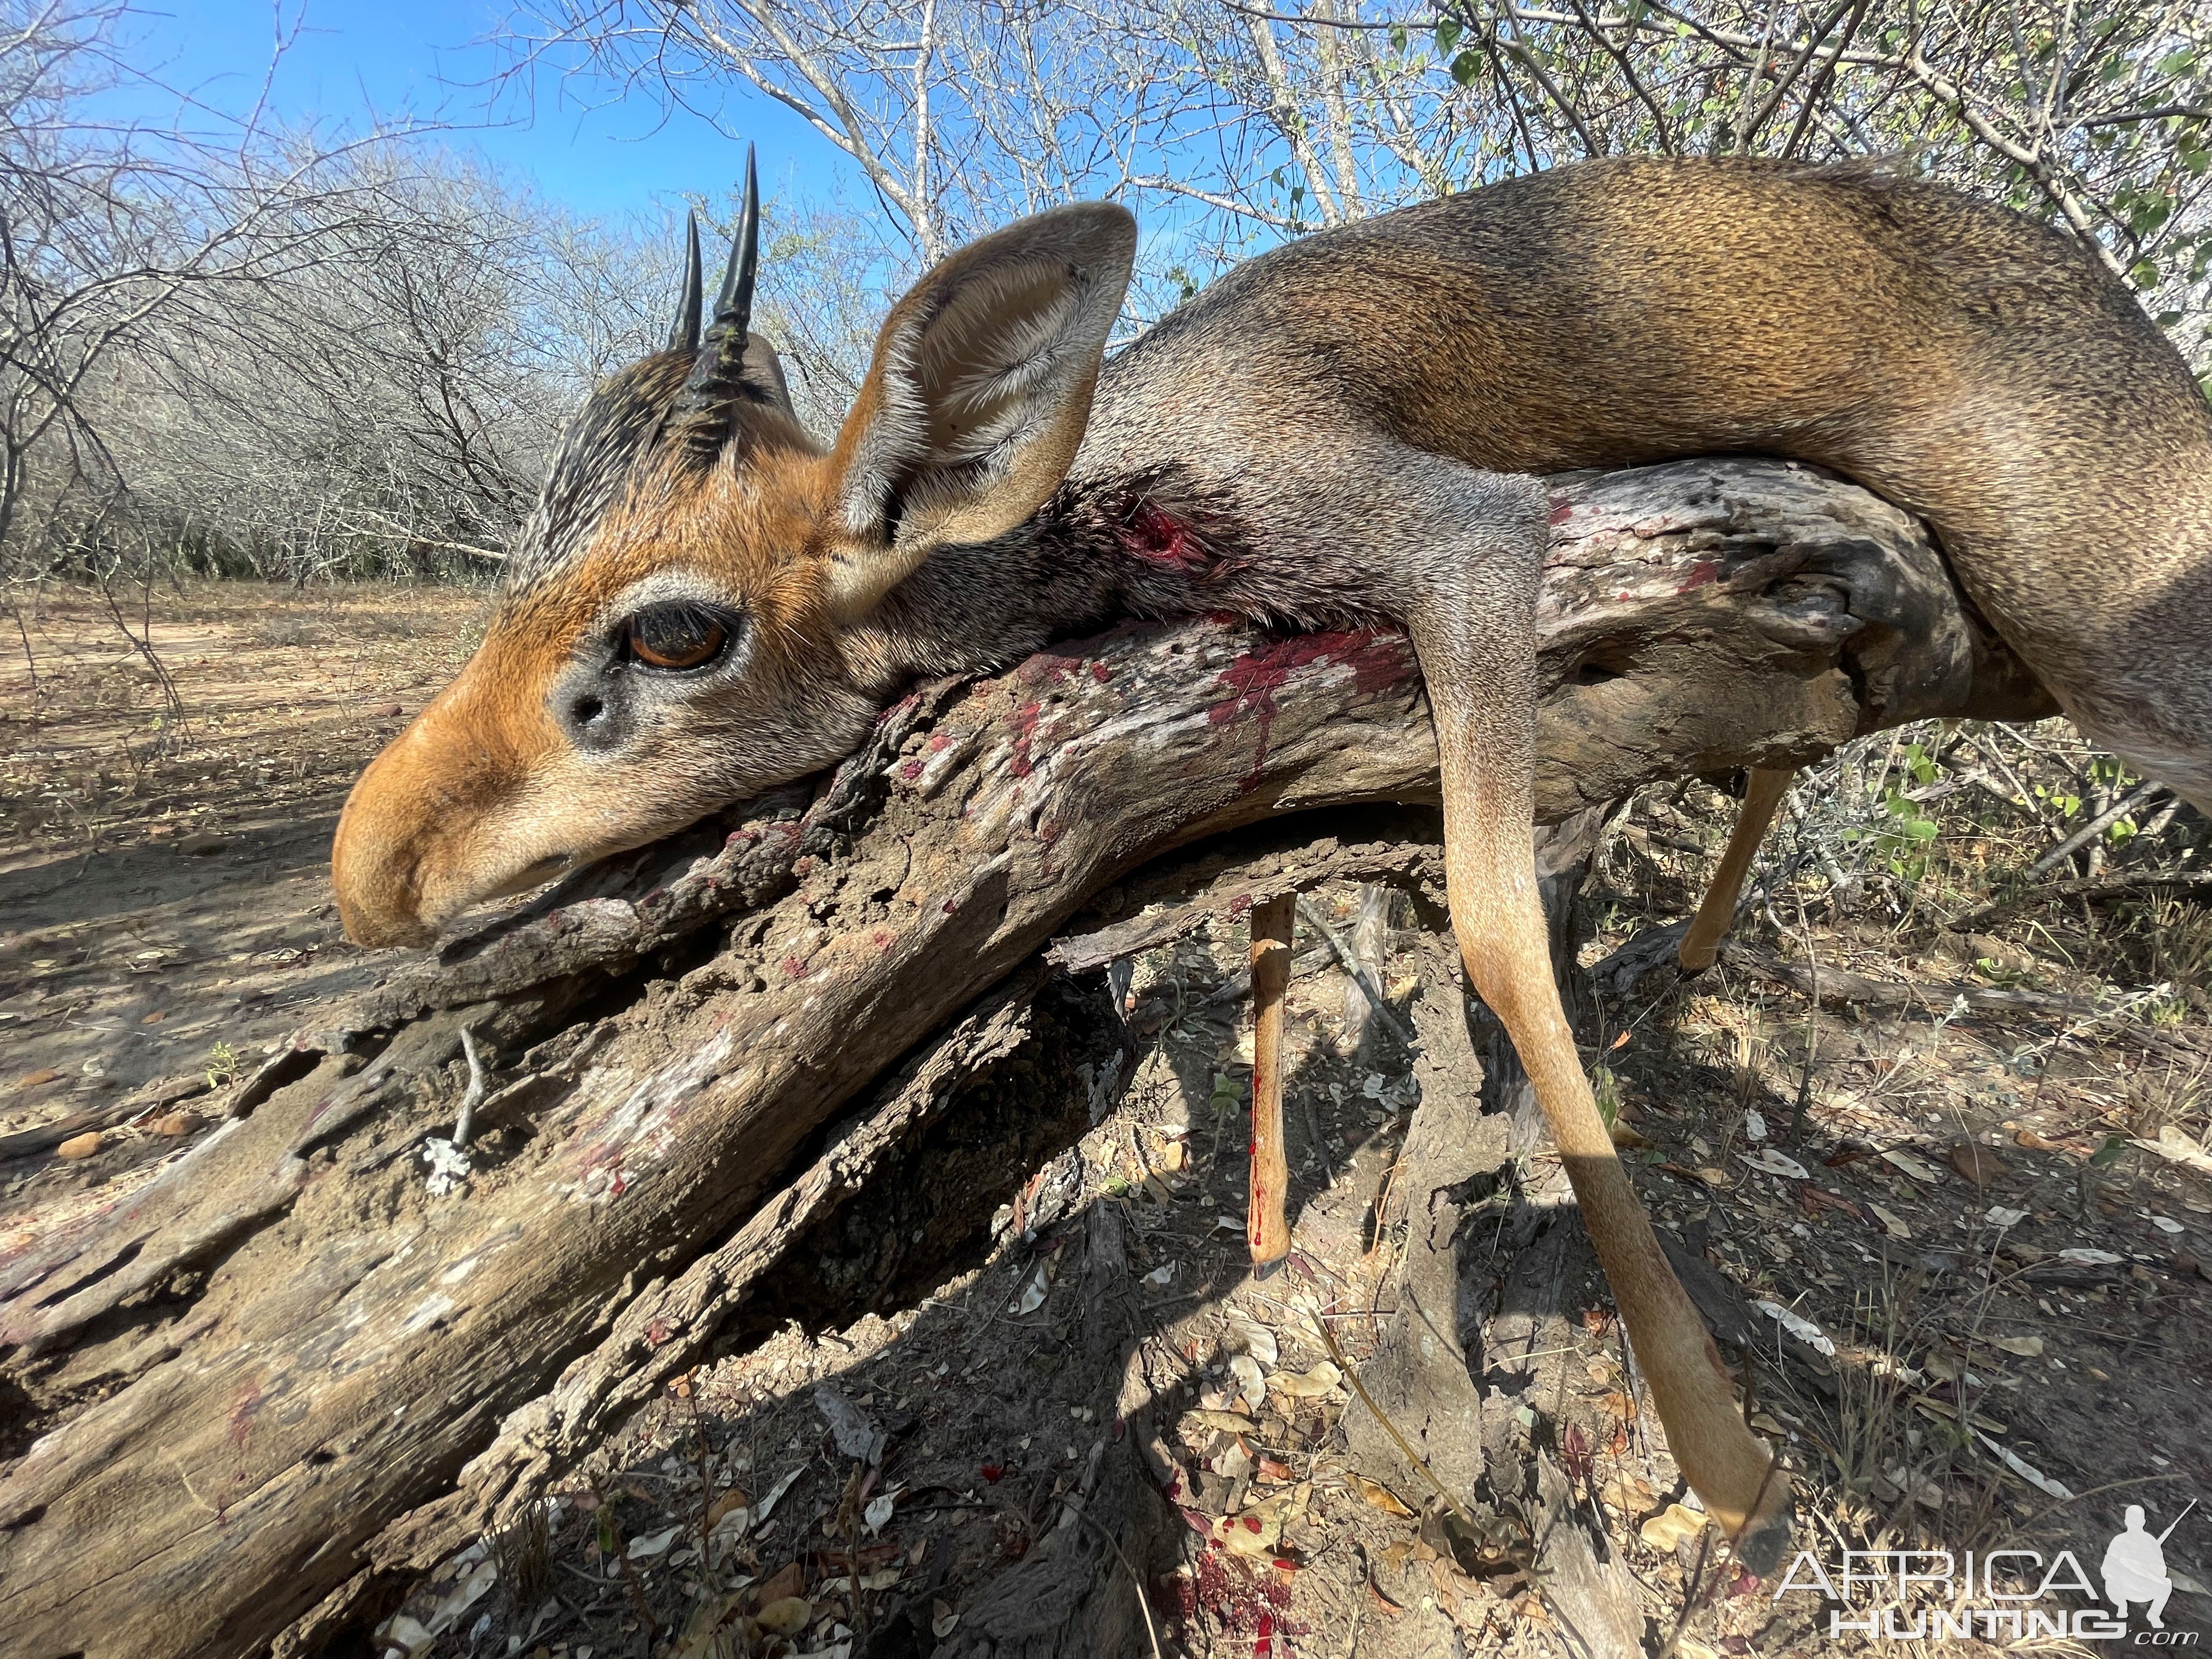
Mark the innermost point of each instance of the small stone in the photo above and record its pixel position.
(391, 711)
(204, 844)
(176, 1123)
(83, 1146)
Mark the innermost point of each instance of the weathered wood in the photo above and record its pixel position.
(1593, 1603)
(1219, 881)
(1419, 1374)
(299, 1362)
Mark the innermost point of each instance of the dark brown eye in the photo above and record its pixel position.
(677, 636)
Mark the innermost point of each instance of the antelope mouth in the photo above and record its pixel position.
(551, 867)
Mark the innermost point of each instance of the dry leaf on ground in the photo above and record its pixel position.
(785, 1617)
(1978, 1164)
(1378, 1496)
(1671, 1526)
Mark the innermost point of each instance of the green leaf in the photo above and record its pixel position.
(2108, 1154)
(1464, 67)
(1605, 1089)
(1447, 33)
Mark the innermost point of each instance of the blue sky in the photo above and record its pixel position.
(586, 147)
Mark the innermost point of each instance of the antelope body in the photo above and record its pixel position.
(1342, 431)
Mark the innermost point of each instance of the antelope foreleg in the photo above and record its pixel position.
(1480, 682)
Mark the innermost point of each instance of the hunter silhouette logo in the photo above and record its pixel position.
(2135, 1566)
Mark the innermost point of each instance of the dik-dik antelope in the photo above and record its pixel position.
(1345, 430)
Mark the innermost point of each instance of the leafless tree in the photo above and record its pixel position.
(391, 407)
(105, 229)
(1236, 122)
(236, 347)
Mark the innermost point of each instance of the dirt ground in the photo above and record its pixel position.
(1965, 1204)
(165, 908)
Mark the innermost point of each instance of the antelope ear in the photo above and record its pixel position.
(763, 372)
(978, 395)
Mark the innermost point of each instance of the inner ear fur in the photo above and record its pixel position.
(978, 395)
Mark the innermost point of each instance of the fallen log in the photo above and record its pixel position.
(290, 1362)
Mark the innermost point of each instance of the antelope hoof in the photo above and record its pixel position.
(1759, 1546)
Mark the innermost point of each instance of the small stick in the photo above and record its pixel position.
(465, 1124)
(1351, 964)
(1266, 1225)
(2095, 827)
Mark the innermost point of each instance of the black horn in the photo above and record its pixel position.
(721, 354)
(684, 337)
(733, 307)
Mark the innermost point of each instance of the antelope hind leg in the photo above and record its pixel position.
(1716, 914)
(1476, 642)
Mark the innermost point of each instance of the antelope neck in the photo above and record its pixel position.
(1143, 544)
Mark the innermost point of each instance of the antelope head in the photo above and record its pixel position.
(684, 620)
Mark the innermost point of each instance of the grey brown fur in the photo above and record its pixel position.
(1972, 366)
(1350, 428)
(1959, 359)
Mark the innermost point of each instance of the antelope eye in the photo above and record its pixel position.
(676, 636)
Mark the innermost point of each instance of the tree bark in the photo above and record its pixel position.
(284, 1362)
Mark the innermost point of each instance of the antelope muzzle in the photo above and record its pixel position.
(459, 807)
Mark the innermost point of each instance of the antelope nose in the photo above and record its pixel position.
(430, 827)
(591, 710)
(373, 869)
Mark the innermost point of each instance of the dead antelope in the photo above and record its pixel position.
(1347, 429)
